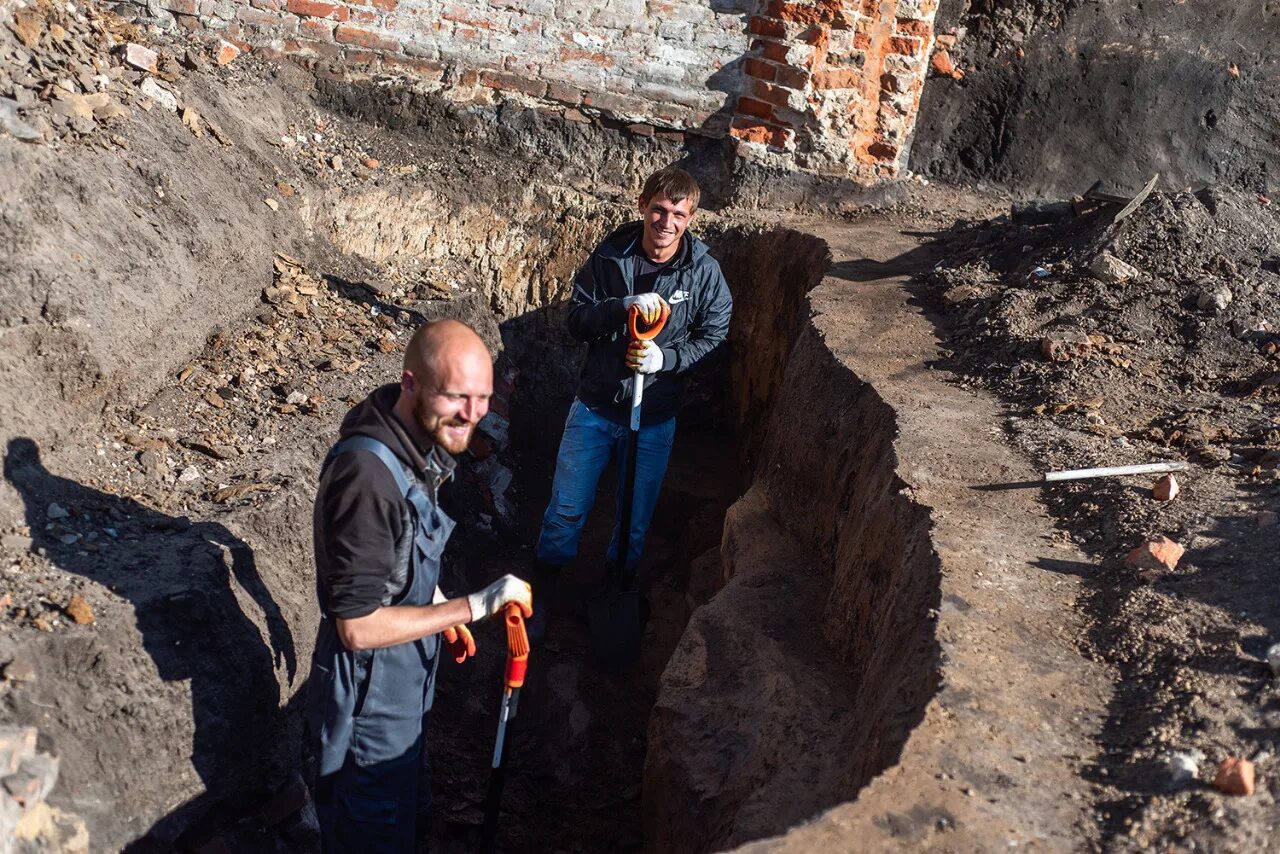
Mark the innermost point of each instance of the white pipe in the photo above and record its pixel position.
(1145, 468)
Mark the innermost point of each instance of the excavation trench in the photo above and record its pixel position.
(789, 652)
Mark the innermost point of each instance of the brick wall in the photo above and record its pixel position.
(830, 86)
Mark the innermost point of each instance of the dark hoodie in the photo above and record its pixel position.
(692, 285)
(360, 521)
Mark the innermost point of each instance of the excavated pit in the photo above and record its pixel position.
(790, 651)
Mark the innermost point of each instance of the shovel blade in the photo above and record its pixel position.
(617, 625)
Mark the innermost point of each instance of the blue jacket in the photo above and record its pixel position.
(698, 327)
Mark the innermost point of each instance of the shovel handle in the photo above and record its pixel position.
(517, 648)
(640, 331)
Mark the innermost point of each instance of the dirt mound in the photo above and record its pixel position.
(1060, 92)
(1146, 340)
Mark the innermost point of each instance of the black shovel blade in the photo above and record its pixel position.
(617, 624)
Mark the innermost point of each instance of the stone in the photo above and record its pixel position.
(14, 125)
(296, 398)
(336, 162)
(34, 779)
(1166, 489)
(189, 475)
(79, 610)
(27, 25)
(159, 94)
(1183, 768)
(56, 511)
(372, 163)
(1157, 554)
(275, 206)
(141, 58)
(19, 669)
(1235, 777)
(1214, 298)
(17, 543)
(1108, 268)
(1273, 659)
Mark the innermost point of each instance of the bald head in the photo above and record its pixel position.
(441, 341)
(446, 384)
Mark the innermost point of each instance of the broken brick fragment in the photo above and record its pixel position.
(1156, 554)
(1234, 777)
(227, 52)
(1166, 489)
(943, 66)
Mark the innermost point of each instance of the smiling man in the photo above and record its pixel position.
(652, 264)
(379, 536)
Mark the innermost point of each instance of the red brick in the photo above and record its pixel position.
(906, 45)
(943, 66)
(837, 78)
(364, 16)
(616, 104)
(318, 30)
(914, 27)
(774, 51)
(307, 47)
(1235, 777)
(1159, 553)
(423, 68)
(361, 57)
(1166, 488)
(776, 95)
(513, 83)
(640, 129)
(227, 52)
(830, 12)
(752, 107)
(882, 151)
(318, 9)
(794, 78)
(182, 7)
(346, 34)
(752, 130)
(466, 16)
(861, 41)
(575, 54)
(759, 68)
(385, 5)
(770, 27)
(564, 94)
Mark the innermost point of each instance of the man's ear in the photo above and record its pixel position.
(640, 206)
(408, 384)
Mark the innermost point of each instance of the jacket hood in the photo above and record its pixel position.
(622, 240)
(373, 417)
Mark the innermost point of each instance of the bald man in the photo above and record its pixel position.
(379, 536)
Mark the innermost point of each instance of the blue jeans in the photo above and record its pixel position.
(590, 442)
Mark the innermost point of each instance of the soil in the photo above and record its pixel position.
(177, 352)
(1152, 368)
(1060, 93)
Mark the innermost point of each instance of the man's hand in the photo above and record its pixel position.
(650, 304)
(505, 591)
(644, 357)
(460, 643)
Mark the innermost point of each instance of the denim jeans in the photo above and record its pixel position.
(590, 442)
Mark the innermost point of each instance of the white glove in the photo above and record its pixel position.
(498, 595)
(651, 305)
(644, 357)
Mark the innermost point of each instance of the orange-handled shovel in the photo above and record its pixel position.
(513, 681)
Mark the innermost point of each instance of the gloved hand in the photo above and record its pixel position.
(505, 591)
(651, 306)
(460, 643)
(645, 357)
(457, 640)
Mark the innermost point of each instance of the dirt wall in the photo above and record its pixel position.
(1060, 93)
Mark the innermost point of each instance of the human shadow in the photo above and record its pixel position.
(180, 578)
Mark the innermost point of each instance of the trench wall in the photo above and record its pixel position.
(802, 677)
(830, 86)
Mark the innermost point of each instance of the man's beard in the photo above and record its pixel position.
(440, 434)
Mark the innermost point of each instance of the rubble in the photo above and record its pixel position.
(1235, 777)
(1108, 268)
(1166, 489)
(1160, 553)
(1183, 768)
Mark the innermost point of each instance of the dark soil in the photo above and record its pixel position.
(1150, 369)
(1060, 93)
